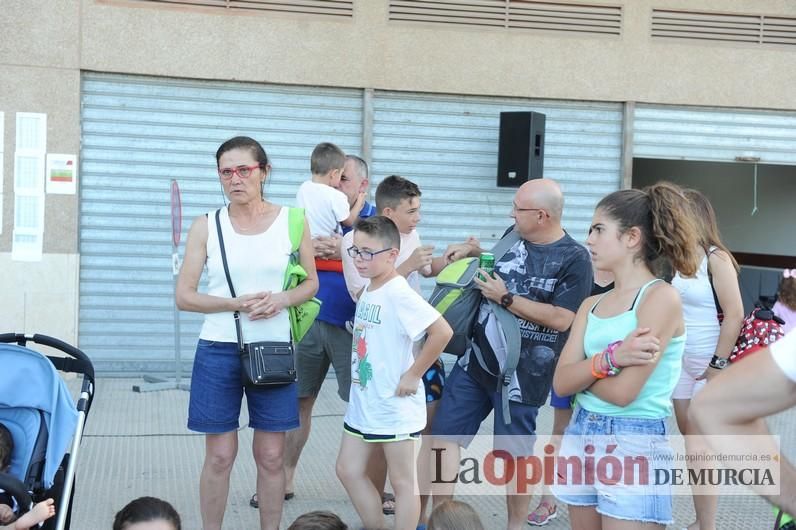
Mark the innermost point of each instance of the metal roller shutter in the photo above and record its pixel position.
(138, 133)
(713, 134)
(448, 145)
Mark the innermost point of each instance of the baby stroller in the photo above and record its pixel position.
(36, 407)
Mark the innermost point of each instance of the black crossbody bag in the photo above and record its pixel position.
(261, 363)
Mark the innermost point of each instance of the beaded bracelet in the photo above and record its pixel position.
(596, 369)
(613, 367)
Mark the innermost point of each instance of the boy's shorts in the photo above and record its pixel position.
(434, 381)
(379, 437)
(464, 406)
(217, 392)
(324, 344)
(559, 402)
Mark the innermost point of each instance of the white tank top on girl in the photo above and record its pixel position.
(699, 311)
(257, 263)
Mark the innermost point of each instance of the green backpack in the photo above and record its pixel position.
(457, 299)
(303, 315)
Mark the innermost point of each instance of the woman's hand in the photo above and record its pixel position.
(269, 305)
(639, 348)
(245, 302)
(709, 374)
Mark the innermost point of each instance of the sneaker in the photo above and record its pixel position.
(543, 514)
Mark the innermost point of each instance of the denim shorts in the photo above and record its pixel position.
(217, 391)
(632, 494)
(465, 404)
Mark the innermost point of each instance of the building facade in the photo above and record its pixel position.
(144, 91)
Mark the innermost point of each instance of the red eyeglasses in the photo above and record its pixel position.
(243, 172)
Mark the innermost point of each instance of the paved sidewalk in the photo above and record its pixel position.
(137, 444)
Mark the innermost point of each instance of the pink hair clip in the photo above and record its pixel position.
(789, 273)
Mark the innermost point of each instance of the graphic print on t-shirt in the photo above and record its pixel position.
(367, 317)
(558, 274)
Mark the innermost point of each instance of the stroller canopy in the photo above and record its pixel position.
(29, 382)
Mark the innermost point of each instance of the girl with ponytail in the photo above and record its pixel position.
(623, 358)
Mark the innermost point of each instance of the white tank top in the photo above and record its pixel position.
(256, 263)
(699, 311)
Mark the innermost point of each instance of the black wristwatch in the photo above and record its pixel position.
(506, 300)
(719, 363)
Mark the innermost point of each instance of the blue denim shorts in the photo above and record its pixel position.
(636, 446)
(217, 391)
(465, 404)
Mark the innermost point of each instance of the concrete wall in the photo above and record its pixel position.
(730, 189)
(370, 51)
(40, 72)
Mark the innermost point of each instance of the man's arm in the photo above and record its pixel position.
(547, 315)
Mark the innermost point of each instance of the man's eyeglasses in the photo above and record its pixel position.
(515, 208)
(243, 172)
(366, 255)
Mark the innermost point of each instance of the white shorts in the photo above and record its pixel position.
(784, 353)
(693, 366)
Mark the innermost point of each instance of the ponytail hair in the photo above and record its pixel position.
(667, 226)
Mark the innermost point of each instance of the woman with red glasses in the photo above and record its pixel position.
(256, 245)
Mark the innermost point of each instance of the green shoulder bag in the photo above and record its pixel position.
(303, 315)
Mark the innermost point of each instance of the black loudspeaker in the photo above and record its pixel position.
(521, 149)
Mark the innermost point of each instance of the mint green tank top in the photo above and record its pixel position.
(655, 399)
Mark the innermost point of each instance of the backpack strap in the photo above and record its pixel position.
(511, 334)
(505, 243)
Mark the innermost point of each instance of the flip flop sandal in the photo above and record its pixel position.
(550, 511)
(388, 504)
(255, 504)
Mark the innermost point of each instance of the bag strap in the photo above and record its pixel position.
(511, 334)
(505, 243)
(719, 310)
(236, 314)
(295, 227)
(295, 223)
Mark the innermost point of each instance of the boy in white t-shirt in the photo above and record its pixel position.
(327, 207)
(387, 402)
(398, 199)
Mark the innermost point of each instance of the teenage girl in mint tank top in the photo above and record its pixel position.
(623, 390)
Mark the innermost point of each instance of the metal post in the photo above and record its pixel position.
(628, 117)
